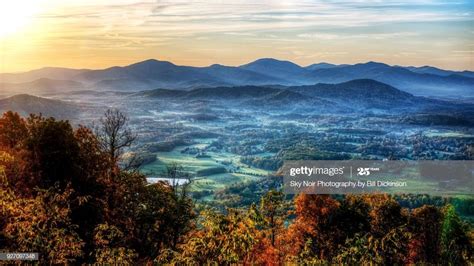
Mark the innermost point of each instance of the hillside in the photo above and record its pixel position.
(26, 104)
(355, 94)
(363, 93)
(244, 93)
(359, 94)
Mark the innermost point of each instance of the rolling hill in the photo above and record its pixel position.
(224, 93)
(26, 104)
(360, 95)
(253, 96)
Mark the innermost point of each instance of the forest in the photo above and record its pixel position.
(66, 194)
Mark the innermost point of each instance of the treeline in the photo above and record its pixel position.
(63, 195)
(463, 205)
(296, 152)
(266, 163)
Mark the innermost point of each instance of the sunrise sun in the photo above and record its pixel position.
(16, 14)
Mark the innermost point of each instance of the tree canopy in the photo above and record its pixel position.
(63, 194)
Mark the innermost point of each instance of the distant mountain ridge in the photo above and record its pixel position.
(399, 77)
(151, 74)
(42, 85)
(56, 73)
(440, 72)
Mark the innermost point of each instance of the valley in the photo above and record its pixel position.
(232, 140)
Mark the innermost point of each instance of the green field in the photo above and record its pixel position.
(237, 172)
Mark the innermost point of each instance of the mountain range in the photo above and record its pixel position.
(152, 74)
(361, 95)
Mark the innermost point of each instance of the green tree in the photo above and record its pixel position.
(455, 245)
(274, 213)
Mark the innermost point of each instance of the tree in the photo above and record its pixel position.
(13, 130)
(53, 151)
(40, 224)
(13, 134)
(178, 179)
(111, 247)
(114, 134)
(455, 245)
(269, 218)
(223, 239)
(353, 216)
(385, 214)
(314, 230)
(425, 225)
(361, 249)
(273, 210)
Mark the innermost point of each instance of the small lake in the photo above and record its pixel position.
(177, 181)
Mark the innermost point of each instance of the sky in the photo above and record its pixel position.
(102, 33)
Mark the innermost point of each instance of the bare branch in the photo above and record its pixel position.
(114, 134)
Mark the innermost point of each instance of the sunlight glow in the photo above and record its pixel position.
(16, 14)
(103, 33)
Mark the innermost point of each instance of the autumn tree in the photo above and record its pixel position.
(385, 214)
(70, 208)
(53, 151)
(63, 194)
(222, 239)
(13, 134)
(110, 246)
(13, 130)
(424, 244)
(314, 230)
(40, 224)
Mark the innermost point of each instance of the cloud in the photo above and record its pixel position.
(148, 26)
(321, 36)
(203, 17)
(376, 36)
